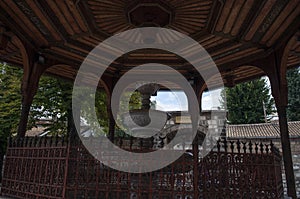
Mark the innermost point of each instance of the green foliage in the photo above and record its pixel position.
(101, 109)
(10, 102)
(245, 102)
(130, 101)
(293, 80)
(87, 116)
(53, 100)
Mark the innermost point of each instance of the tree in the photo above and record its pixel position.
(10, 102)
(293, 80)
(10, 98)
(128, 101)
(87, 117)
(246, 102)
(53, 101)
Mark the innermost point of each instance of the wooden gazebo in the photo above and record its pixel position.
(246, 39)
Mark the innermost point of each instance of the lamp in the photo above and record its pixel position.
(149, 34)
(40, 58)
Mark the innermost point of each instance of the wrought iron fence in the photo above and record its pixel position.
(35, 168)
(55, 168)
(241, 170)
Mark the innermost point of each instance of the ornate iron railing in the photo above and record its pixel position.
(55, 168)
(241, 170)
(35, 168)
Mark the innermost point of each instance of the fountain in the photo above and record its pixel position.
(145, 122)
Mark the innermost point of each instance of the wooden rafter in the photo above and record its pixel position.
(234, 32)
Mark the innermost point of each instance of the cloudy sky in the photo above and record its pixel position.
(177, 100)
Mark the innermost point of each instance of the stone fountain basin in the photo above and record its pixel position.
(144, 123)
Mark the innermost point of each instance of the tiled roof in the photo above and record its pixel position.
(35, 131)
(263, 130)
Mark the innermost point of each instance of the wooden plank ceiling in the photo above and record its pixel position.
(234, 32)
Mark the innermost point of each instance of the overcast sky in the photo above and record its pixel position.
(177, 100)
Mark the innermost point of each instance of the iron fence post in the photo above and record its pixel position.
(68, 146)
(195, 167)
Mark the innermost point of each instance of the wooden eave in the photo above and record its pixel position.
(235, 32)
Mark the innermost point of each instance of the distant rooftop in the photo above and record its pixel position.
(261, 131)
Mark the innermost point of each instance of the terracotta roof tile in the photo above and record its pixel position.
(263, 130)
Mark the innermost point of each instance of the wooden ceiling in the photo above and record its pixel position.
(234, 32)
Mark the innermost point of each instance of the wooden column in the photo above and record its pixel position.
(109, 84)
(112, 126)
(277, 76)
(31, 77)
(287, 153)
(74, 119)
(285, 141)
(275, 67)
(199, 87)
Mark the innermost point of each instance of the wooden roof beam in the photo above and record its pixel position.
(3, 41)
